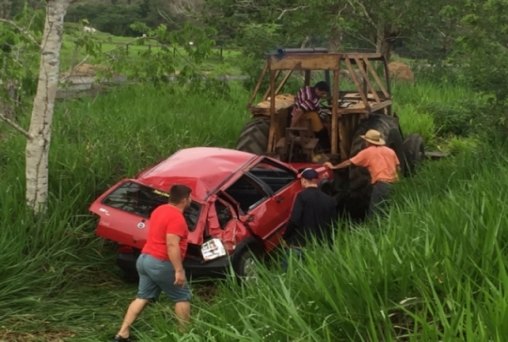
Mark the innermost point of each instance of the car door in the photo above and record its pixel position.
(265, 194)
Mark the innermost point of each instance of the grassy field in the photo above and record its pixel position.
(433, 269)
(221, 61)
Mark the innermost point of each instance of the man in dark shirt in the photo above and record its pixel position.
(313, 212)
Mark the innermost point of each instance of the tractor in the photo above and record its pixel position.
(359, 99)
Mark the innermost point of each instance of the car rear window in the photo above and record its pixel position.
(141, 200)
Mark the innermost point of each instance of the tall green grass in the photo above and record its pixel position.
(432, 269)
(95, 143)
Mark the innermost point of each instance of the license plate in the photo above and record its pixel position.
(212, 249)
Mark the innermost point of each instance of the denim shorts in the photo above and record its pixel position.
(156, 276)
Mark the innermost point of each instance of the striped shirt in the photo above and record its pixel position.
(307, 100)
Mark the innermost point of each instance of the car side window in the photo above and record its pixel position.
(247, 193)
(275, 176)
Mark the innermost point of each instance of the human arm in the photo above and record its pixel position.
(173, 247)
(341, 165)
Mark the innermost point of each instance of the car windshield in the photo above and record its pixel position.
(141, 200)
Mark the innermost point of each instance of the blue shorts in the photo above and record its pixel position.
(156, 276)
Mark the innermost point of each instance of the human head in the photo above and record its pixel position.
(373, 137)
(321, 89)
(309, 177)
(179, 195)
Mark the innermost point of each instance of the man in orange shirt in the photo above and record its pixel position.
(382, 164)
(160, 265)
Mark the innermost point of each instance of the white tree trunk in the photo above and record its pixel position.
(37, 147)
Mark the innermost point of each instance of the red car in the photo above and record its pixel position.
(240, 209)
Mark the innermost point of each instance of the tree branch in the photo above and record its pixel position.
(22, 30)
(15, 126)
(364, 10)
(284, 11)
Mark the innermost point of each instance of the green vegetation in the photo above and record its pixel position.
(433, 269)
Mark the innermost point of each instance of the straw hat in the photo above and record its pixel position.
(374, 137)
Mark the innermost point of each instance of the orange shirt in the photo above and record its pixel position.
(165, 219)
(381, 161)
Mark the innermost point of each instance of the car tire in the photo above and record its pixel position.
(246, 264)
(359, 178)
(254, 136)
(414, 153)
(127, 265)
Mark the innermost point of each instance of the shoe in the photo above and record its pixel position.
(119, 338)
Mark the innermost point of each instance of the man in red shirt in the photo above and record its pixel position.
(160, 265)
(382, 164)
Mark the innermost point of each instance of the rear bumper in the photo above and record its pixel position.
(215, 267)
(193, 267)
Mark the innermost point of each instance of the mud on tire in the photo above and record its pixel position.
(254, 136)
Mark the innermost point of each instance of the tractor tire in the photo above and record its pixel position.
(414, 153)
(359, 178)
(254, 136)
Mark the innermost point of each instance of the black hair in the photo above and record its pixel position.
(178, 193)
(323, 86)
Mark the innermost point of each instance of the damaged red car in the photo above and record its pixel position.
(241, 205)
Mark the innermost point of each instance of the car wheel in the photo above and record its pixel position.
(254, 136)
(246, 265)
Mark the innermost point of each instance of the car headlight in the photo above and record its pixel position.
(212, 249)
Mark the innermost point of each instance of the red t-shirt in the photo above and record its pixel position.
(165, 219)
(381, 161)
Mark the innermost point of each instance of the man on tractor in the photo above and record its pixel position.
(307, 107)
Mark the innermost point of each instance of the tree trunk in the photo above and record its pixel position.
(384, 38)
(37, 148)
(335, 40)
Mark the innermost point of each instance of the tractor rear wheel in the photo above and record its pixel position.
(414, 153)
(359, 178)
(254, 136)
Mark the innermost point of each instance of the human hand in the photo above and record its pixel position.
(328, 165)
(179, 278)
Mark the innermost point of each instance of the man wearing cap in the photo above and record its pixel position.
(313, 212)
(382, 164)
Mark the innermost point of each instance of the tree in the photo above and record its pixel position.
(39, 134)
(37, 147)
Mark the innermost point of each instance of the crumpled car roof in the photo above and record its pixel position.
(203, 169)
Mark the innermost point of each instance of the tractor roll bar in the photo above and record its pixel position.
(282, 51)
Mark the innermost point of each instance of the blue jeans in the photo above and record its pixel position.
(156, 276)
